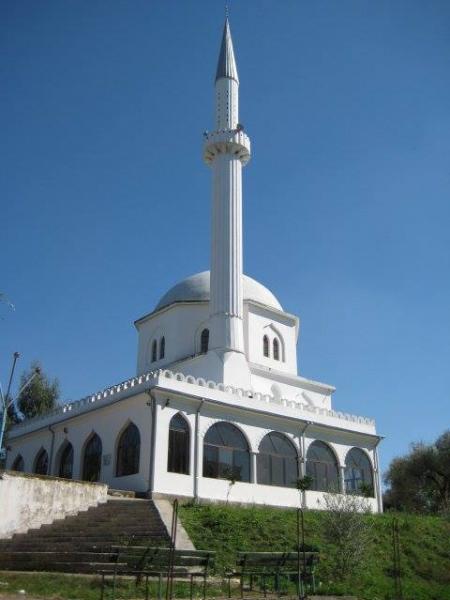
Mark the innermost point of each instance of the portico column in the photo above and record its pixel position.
(253, 467)
(377, 481)
(342, 480)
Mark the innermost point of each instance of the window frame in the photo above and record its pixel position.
(128, 457)
(233, 457)
(272, 458)
(179, 438)
(323, 470)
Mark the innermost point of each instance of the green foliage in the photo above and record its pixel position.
(40, 396)
(424, 543)
(304, 483)
(420, 481)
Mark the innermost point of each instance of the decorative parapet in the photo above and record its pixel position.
(114, 392)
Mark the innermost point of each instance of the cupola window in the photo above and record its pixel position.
(162, 348)
(204, 341)
(276, 349)
(266, 346)
(154, 351)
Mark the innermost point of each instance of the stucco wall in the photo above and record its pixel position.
(30, 501)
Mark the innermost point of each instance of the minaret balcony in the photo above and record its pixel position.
(226, 141)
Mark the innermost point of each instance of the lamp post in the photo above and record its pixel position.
(6, 401)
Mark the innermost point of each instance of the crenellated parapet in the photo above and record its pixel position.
(156, 378)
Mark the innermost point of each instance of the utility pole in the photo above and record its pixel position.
(6, 400)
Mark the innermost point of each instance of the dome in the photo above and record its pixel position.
(196, 289)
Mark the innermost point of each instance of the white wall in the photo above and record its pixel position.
(107, 422)
(260, 321)
(29, 502)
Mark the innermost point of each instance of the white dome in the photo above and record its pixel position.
(196, 289)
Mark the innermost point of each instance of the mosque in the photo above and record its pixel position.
(217, 410)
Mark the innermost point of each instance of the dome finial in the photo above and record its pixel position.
(226, 67)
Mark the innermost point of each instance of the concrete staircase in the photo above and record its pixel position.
(82, 543)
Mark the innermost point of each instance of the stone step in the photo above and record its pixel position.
(66, 544)
(82, 543)
(45, 557)
(60, 567)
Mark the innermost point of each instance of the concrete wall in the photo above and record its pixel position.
(27, 502)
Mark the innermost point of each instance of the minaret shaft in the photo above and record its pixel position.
(226, 300)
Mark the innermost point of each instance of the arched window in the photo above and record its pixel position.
(66, 462)
(92, 459)
(204, 341)
(18, 464)
(41, 463)
(128, 451)
(154, 351)
(358, 472)
(322, 466)
(178, 458)
(225, 453)
(162, 347)
(266, 346)
(276, 349)
(277, 461)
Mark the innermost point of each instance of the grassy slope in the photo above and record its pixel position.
(425, 547)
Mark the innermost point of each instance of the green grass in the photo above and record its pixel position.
(82, 587)
(425, 547)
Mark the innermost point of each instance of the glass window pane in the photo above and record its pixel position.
(211, 461)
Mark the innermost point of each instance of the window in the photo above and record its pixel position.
(178, 459)
(162, 347)
(92, 460)
(358, 472)
(41, 463)
(266, 346)
(18, 464)
(66, 462)
(204, 341)
(322, 466)
(276, 349)
(154, 351)
(225, 453)
(128, 451)
(277, 461)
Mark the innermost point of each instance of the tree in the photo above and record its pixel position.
(420, 481)
(40, 396)
(348, 531)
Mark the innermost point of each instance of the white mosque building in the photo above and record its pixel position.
(217, 410)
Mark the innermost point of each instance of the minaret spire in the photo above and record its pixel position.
(226, 66)
(226, 151)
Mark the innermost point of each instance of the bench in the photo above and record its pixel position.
(263, 566)
(143, 562)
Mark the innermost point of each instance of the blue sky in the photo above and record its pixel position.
(105, 202)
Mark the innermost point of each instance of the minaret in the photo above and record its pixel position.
(226, 151)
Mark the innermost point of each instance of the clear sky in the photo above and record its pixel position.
(105, 202)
